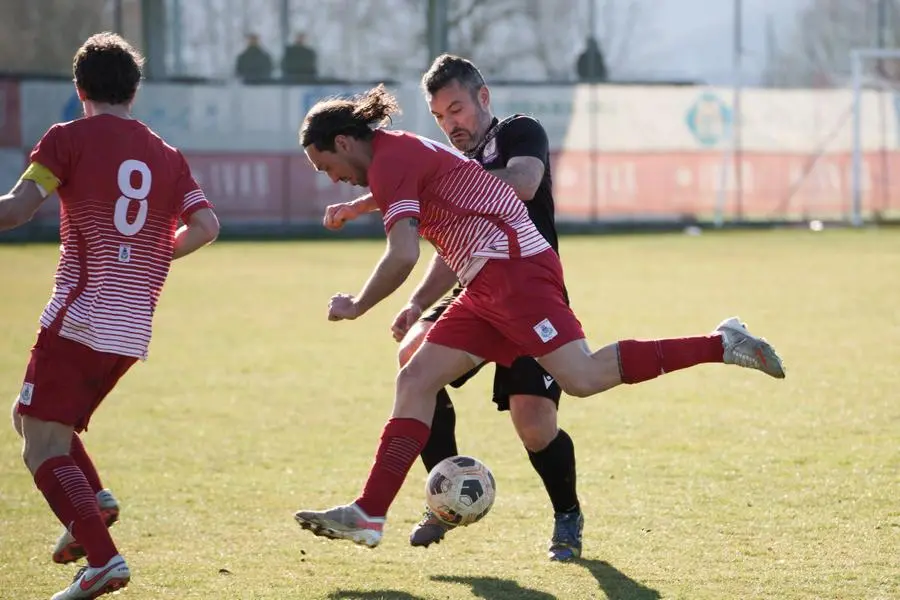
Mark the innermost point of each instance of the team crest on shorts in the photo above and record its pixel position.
(545, 330)
(25, 394)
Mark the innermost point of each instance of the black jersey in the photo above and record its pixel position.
(520, 135)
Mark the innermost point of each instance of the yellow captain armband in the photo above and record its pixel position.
(42, 177)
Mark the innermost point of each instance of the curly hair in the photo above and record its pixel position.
(355, 117)
(108, 69)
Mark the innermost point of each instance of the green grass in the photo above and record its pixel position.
(713, 483)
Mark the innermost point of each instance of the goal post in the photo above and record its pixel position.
(862, 79)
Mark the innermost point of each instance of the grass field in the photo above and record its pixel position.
(714, 483)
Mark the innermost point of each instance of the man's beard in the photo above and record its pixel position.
(463, 143)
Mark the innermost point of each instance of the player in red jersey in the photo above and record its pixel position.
(513, 303)
(515, 149)
(122, 191)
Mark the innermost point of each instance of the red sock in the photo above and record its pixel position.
(69, 495)
(84, 462)
(643, 360)
(401, 442)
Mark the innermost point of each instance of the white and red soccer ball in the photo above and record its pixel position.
(460, 490)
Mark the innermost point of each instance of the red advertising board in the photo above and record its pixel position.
(773, 186)
(274, 188)
(284, 189)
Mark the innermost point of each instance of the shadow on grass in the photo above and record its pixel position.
(616, 584)
(492, 588)
(372, 595)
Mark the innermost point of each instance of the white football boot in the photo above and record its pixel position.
(744, 349)
(347, 522)
(91, 582)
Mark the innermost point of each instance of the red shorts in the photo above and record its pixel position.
(512, 308)
(66, 381)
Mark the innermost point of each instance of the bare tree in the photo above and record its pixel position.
(40, 36)
(355, 39)
(623, 24)
(536, 39)
(818, 52)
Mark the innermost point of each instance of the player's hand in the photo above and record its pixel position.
(343, 307)
(405, 319)
(338, 214)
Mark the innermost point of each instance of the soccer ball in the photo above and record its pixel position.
(460, 490)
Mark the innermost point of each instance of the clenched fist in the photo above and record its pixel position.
(342, 307)
(338, 214)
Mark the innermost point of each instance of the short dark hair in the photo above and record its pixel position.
(448, 68)
(355, 117)
(108, 69)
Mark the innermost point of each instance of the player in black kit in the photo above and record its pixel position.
(516, 150)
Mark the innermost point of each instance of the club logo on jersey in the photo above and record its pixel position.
(25, 394)
(490, 151)
(545, 330)
(124, 253)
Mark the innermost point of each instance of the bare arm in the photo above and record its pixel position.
(524, 174)
(19, 205)
(364, 204)
(336, 215)
(438, 280)
(394, 268)
(202, 228)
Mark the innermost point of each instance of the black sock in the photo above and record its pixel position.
(442, 441)
(556, 466)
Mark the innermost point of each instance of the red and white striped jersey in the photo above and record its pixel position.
(122, 190)
(463, 210)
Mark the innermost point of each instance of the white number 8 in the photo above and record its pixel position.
(129, 194)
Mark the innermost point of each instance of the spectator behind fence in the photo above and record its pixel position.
(591, 65)
(299, 61)
(253, 64)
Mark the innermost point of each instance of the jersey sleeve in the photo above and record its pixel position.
(524, 137)
(396, 191)
(50, 160)
(189, 197)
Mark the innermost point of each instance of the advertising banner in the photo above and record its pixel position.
(619, 152)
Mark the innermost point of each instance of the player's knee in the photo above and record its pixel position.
(16, 418)
(535, 421)
(44, 440)
(417, 379)
(537, 436)
(36, 453)
(33, 457)
(412, 381)
(416, 393)
(33, 454)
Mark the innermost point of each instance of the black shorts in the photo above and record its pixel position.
(524, 377)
